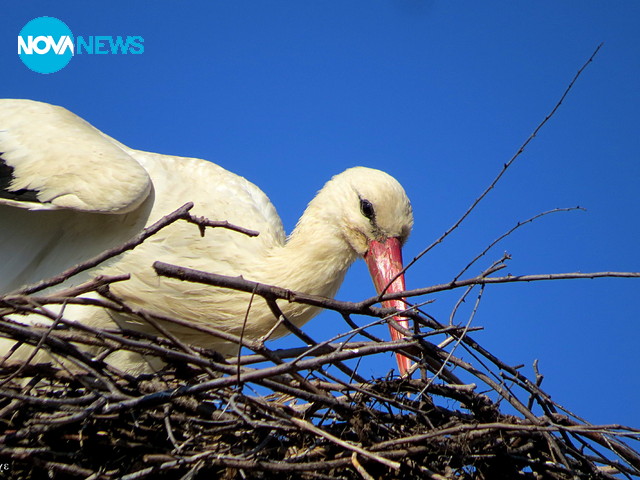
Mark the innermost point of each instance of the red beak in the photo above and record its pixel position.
(384, 260)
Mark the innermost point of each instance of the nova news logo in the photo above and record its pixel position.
(46, 45)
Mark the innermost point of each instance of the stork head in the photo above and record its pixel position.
(373, 215)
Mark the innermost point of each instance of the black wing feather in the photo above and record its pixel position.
(6, 177)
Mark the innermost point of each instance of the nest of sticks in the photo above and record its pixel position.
(303, 412)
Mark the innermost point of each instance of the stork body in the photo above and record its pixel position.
(68, 192)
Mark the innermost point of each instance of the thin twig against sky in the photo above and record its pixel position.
(508, 164)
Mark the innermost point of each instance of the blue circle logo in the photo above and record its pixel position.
(45, 45)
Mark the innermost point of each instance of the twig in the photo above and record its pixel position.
(479, 280)
(505, 167)
(509, 232)
(181, 213)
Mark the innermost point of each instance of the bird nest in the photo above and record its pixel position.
(304, 412)
(297, 413)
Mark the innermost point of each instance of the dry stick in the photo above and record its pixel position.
(49, 402)
(203, 222)
(256, 347)
(536, 393)
(239, 385)
(479, 280)
(534, 389)
(265, 376)
(474, 346)
(437, 329)
(546, 399)
(433, 359)
(252, 345)
(179, 356)
(181, 213)
(275, 310)
(510, 231)
(269, 355)
(68, 295)
(344, 386)
(242, 285)
(169, 429)
(619, 448)
(213, 458)
(502, 172)
(517, 226)
(539, 378)
(298, 352)
(457, 335)
(327, 345)
(270, 293)
(36, 430)
(361, 451)
(67, 469)
(230, 461)
(327, 401)
(543, 398)
(359, 468)
(112, 252)
(179, 343)
(512, 399)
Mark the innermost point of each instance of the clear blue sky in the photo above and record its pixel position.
(440, 95)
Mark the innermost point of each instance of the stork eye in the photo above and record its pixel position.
(367, 209)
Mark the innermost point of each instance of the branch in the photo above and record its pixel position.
(181, 213)
(505, 167)
(269, 292)
(508, 279)
(510, 231)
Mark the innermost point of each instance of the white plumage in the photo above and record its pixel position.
(68, 192)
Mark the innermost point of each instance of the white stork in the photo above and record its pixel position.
(68, 192)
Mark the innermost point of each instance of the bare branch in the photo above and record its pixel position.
(181, 213)
(479, 280)
(506, 166)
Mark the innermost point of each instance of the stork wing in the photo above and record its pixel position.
(81, 184)
(51, 158)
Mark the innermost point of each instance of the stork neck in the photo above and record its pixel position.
(314, 259)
